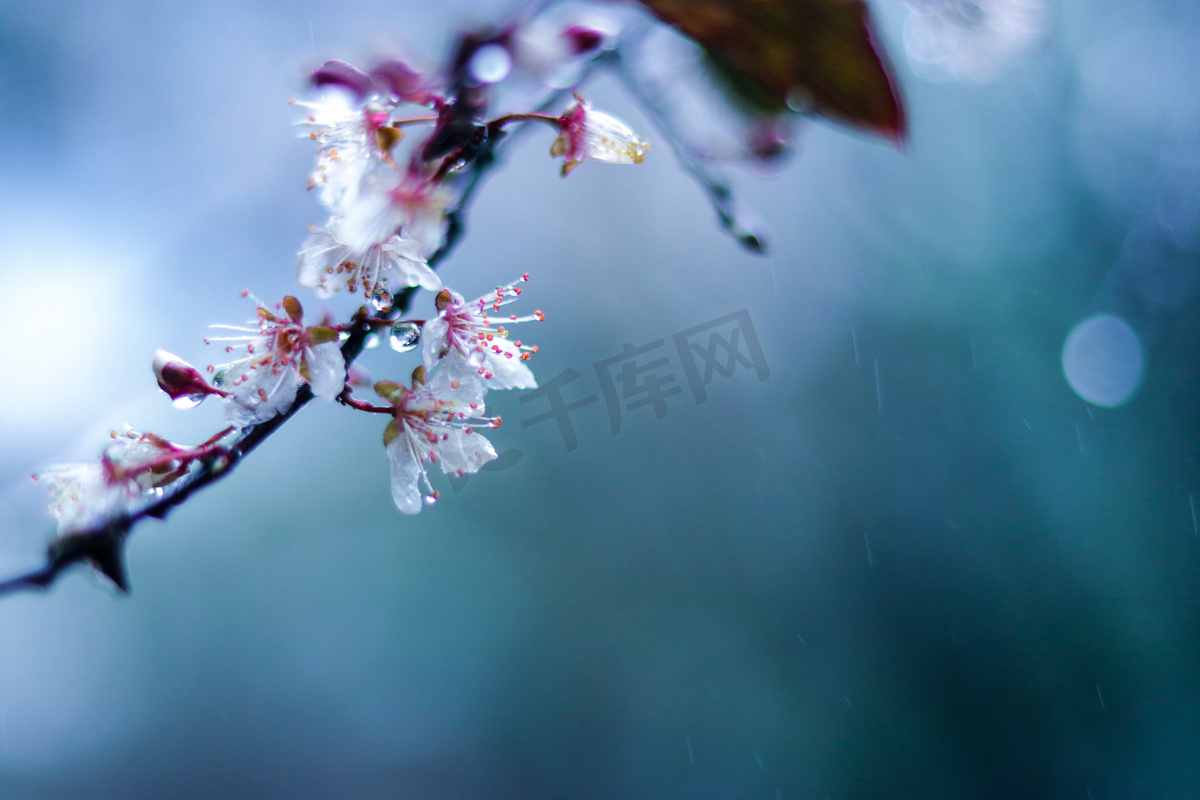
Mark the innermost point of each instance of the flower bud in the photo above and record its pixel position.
(343, 75)
(182, 382)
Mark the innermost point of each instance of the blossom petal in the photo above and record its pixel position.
(406, 473)
(456, 382)
(463, 453)
(326, 369)
(261, 396)
(320, 253)
(407, 258)
(507, 368)
(433, 341)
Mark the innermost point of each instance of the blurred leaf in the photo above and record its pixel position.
(815, 55)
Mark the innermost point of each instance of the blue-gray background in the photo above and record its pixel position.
(913, 562)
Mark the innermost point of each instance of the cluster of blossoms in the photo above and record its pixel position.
(387, 219)
(134, 466)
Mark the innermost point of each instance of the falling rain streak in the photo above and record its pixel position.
(878, 387)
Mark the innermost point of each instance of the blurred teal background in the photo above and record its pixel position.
(913, 562)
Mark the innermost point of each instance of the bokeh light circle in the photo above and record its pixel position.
(1102, 360)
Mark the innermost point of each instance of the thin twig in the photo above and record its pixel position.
(719, 194)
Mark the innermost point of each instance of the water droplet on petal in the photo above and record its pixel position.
(476, 358)
(372, 341)
(218, 378)
(405, 336)
(186, 401)
(381, 300)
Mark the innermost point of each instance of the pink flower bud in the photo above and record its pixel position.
(180, 380)
(339, 73)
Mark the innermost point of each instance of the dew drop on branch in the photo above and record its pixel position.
(405, 336)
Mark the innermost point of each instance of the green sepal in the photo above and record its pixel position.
(391, 391)
(320, 334)
(391, 432)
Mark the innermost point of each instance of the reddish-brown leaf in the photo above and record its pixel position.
(816, 55)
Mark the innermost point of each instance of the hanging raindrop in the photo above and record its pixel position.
(381, 300)
(405, 336)
(186, 401)
(372, 341)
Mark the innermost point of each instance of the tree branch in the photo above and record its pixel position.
(102, 546)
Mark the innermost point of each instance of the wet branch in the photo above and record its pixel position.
(102, 546)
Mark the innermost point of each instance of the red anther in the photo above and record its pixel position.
(245, 292)
(229, 349)
(516, 290)
(507, 354)
(263, 395)
(453, 384)
(525, 277)
(533, 349)
(525, 356)
(210, 368)
(512, 317)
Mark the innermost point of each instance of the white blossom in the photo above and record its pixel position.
(590, 135)
(86, 495)
(483, 341)
(326, 263)
(413, 207)
(434, 423)
(352, 139)
(281, 353)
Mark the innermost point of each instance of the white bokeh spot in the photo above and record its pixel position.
(1102, 360)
